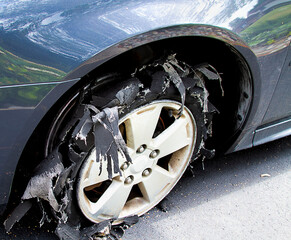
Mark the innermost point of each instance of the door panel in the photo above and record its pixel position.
(280, 105)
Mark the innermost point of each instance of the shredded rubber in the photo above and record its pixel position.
(55, 176)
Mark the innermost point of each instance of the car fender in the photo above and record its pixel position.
(77, 44)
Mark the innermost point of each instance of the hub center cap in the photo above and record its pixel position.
(139, 164)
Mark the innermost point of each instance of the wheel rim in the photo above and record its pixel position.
(160, 144)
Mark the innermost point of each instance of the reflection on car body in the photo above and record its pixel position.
(110, 101)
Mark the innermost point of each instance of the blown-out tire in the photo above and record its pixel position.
(157, 163)
(161, 133)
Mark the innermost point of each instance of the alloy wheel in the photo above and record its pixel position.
(160, 142)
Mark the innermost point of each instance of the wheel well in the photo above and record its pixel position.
(236, 82)
(233, 106)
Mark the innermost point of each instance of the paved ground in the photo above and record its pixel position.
(229, 200)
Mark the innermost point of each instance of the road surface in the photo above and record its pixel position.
(244, 195)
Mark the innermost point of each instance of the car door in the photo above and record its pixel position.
(280, 106)
(277, 120)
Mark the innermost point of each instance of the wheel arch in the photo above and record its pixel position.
(138, 50)
(164, 34)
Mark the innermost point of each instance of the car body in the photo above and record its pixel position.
(48, 48)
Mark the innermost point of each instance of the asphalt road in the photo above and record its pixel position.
(230, 199)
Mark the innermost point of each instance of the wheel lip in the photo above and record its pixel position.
(189, 153)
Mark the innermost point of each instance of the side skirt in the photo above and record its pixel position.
(272, 131)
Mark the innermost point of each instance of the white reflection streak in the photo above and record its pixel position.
(52, 19)
(108, 18)
(66, 44)
(155, 14)
(165, 13)
(215, 9)
(240, 13)
(8, 6)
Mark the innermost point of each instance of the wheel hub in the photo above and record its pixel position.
(160, 144)
(139, 164)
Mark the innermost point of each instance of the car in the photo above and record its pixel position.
(110, 101)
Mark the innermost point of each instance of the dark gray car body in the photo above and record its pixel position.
(46, 47)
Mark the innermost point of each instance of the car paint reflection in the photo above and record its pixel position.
(75, 32)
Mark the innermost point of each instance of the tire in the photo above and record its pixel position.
(162, 135)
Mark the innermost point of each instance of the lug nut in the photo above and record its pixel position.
(129, 180)
(154, 154)
(141, 149)
(146, 172)
(124, 166)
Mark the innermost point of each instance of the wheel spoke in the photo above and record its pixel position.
(155, 183)
(173, 138)
(140, 126)
(111, 203)
(92, 177)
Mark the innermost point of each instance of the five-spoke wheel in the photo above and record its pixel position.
(160, 143)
